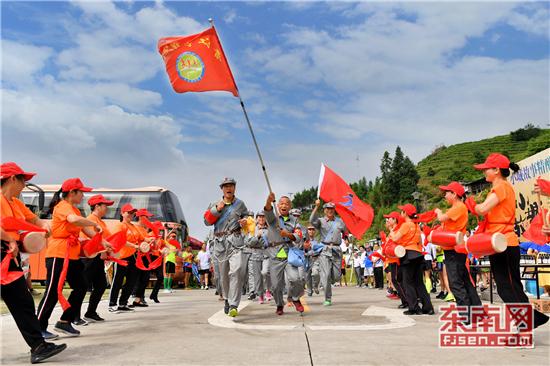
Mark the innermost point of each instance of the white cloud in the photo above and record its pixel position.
(20, 61)
(230, 16)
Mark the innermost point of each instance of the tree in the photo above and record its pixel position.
(409, 180)
(525, 133)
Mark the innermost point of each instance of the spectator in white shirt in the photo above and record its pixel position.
(203, 259)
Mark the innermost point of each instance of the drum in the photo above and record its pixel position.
(145, 247)
(394, 250)
(461, 248)
(446, 239)
(486, 244)
(33, 242)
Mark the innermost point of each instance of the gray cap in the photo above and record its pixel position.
(250, 213)
(296, 212)
(227, 180)
(328, 205)
(260, 213)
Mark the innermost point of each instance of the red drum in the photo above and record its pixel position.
(461, 248)
(486, 244)
(145, 247)
(446, 239)
(394, 250)
(33, 242)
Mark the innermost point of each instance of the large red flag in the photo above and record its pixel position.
(357, 215)
(197, 63)
(534, 232)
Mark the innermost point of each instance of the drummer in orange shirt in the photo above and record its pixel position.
(15, 294)
(456, 219)
(499, 209)
(143, 275)
(64, 250)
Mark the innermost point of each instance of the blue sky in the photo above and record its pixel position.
(84, 87)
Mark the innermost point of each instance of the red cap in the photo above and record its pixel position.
(74, 183)
(393, 215)
(143, 212)
(10, 169)
(494, 161)
(97, 199)
(128, 208)
(408, 208)
(454, 187)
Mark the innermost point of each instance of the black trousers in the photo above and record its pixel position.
(459, 279)
(129, 273)
(20, 303)
(142, 280)
(77, 282)
(397, 280)
(379, 277)
(94, 273)
(413, 273)
(159, 282)
(506, 272)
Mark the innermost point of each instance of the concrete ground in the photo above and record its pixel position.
(362, 327)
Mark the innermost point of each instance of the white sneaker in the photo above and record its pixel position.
(166, 291)
(202, 287)
(113, 309)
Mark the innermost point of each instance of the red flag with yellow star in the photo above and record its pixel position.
(197, 63)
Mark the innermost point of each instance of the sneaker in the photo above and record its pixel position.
(402, 306)
(327, 303)
(67, 329)
(441, 295)
(233, 312)
(428, 312)
(34, 292)
(310, 294)
(46, 350)
(124, 308)
(298, 305)
(394, 297)
(268, 296)
(279, 310)
(261, 299)
(202, 287)
(226, 307)
(93, 318)
(206, 288)
(413, 312)
(139, 304)
(49, 336)
(166, 291)
(80, 322)
(156, 299)
(433, 291)
(113, 309)
(252, 296)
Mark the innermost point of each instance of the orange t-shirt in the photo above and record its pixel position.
(133, 235)
(458, 217)
(410, 236)
(105, 234)
(392, 260)
(501, 218)
(16, 209)
(62, 230)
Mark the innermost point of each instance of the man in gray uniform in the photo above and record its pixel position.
(227, 218)
(281, 237)
(256, 243)
(312, 251)
(331, 229)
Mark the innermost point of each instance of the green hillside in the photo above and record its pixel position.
(455, 162)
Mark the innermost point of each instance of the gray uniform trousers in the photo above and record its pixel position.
(228, 252)
(256, 279)
(330, 262)
(280, 268)
(246, 271)
(313, 275)
(266, 273)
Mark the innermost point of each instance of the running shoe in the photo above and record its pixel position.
(46, 350)
(67, 329)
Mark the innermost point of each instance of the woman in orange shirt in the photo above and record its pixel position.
(64, 250)
(499, 209)
(456, 219)
(143, 276)
(412, 263)
(15, 294)
(134, 237)
(396, 272)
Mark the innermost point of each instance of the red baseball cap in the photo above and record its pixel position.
(10, 169)
(393, 215)
(128, 208)
(73, 184)
(98, 199)
(143, 212)
(454, 187)
(408, 209)
(494, 160)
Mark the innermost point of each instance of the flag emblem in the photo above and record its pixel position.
(190, 67)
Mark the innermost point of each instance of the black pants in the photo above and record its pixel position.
(94, 272)
(379, 277)
(159, 282)
(142, 280)
(20, 303)
(506, 272)
(397, 280)
(129, 273)
(77, 282)
(413, 272)
(459, 279)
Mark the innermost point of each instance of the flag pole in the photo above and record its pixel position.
(248, 123)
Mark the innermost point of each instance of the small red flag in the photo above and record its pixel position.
(117, 240)
(196, 63)
(534, 232)
(544, 185)
(357, 215)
